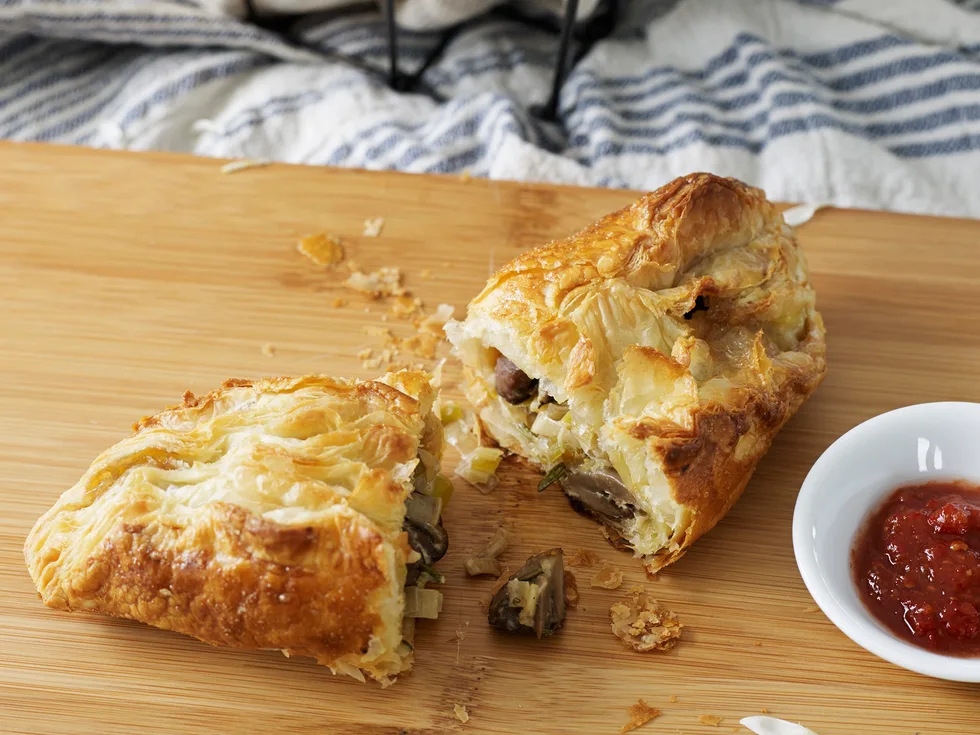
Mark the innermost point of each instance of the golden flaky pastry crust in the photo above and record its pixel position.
(679, 333)
(264, 515)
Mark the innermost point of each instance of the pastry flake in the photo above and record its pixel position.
(647, 362)
(643, 624)
(268, 514)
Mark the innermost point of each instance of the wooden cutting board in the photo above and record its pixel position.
(126, 279)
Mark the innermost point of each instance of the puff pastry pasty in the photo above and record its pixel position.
(299, 514)
(648, 361)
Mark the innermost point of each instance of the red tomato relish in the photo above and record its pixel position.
(917, 565)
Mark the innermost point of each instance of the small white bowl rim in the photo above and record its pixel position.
(859, 625)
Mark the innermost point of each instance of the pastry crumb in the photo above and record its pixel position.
(269, 349)
(672, 699)
(461, 714)
(385, 281)
(373, 226)
(609, 577)
(323, 249)
(584, 558)
(640, 714)
(764, 711)
(339, 303)
(435, 322)
(571, 590)
(643, 624)
(406, 306)
(635, 589)
(244, 164)
(713, 720)
(423, 345)
(436, 380)
(365, 353)
(426, 274)
(466, 176)
(756, 643)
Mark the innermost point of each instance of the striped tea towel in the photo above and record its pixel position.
(859, 103)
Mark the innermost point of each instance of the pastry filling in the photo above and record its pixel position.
(593, 488)
(430, 542)
(533, 599)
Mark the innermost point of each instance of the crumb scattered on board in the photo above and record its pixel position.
(672, 699)
(571, 589)
(373, 226)
(426, 273)
(584, 558)
(235, 166)
(269, 349)
(384, 284)
(757, 643)
(764, 711)
(609, 577)
(713, 720)
(385, 281)
(643, 624)
(466, 176)
(323, 249)
(640, 714)
(461, 714)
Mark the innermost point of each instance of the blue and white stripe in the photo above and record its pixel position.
(835, 100)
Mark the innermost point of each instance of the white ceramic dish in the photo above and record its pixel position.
(930, 441)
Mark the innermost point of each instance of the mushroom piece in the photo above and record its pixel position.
(601, 493)
(533, 599)
(430, 540)
(512, 383)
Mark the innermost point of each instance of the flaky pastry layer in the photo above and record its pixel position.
(265, 515)
(669, 340)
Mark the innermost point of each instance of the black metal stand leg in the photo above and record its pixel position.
(561, 63)
(393, 80)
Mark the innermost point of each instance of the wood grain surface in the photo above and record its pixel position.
(126, 279)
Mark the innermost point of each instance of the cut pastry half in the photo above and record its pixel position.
(298, 514)
(646, 363)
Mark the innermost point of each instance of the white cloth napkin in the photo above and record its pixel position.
(856, 103)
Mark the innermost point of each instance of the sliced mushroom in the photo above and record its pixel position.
(600, 493)
(533, 600)
(429, 539)
(512, 383)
